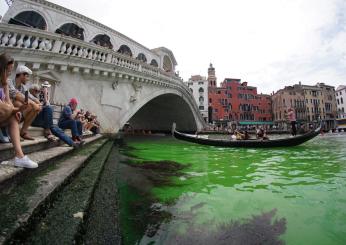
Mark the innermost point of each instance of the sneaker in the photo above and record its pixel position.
(24, 162)
(4, 139)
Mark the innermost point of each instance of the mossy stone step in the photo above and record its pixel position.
(63, 220)
(23, 204)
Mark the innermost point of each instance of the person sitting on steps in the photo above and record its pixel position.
(9, 113)
(67, 120)
(17, 91)
(45, 117)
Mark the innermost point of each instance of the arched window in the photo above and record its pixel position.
(29, 19)
(103, 40)
(154, 63)
(125, 50)
(201, 99)
(72, 30)
(167, 64)
(141, 57)
(201, 90)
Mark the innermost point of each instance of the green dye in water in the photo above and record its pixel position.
(291, 195)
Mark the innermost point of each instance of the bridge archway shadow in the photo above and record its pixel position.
(158, 114)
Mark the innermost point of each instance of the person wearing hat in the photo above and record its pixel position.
(44, 95)
(45, 118)
(17, 91)
(67, 120)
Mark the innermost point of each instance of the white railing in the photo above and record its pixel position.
(28, 38)
(13, 36)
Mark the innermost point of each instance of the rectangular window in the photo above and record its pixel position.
(201, 107)
(200, 83)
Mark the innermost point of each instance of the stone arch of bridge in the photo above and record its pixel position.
(28, 18)
(159, 111)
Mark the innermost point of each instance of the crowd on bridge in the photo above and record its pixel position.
(22, 107)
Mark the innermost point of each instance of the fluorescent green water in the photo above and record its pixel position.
(306, 185)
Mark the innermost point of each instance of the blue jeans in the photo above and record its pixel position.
(74, 125)
(44, 119)
(4, 131)
(61, 135)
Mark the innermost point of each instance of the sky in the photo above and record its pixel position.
(268, 43)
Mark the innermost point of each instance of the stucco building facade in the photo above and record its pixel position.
(198, 86)
(340, 95)
(310, 102)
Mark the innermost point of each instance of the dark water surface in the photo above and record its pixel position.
(174, 192)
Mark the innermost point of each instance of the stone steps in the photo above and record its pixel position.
(38, 199)
(42, 151)
(28, 146)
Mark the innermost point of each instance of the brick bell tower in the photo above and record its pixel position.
(211, 76)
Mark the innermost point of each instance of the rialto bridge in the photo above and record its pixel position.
(112, 75)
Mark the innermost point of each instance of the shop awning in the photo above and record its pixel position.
(256, 123)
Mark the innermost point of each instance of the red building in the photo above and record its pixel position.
(236, 101)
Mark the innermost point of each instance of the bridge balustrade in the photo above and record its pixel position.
(13, 36)
(18, 37)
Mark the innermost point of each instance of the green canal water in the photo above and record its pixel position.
(174, 192)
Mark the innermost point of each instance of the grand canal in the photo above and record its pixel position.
(172, 192)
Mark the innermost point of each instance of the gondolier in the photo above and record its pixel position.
(292, 118)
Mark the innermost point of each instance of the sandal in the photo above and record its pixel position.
(26, 136)
(51, 138)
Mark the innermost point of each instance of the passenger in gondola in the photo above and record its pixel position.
(241, 135)
(261, 134)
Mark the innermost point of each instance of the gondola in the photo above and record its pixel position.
(251, 143)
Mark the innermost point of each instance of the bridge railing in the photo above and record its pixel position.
(18, 37)
(28, 38)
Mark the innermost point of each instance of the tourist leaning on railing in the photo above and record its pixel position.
(9, 113)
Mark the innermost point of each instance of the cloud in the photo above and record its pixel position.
(269, 43)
